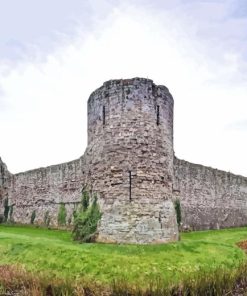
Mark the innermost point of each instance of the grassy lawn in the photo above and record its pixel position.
(54, 254)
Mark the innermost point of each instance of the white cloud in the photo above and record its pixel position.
(45, 121)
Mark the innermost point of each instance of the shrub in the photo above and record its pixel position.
(61, 218)
(33, 216)
(6, 209)
(86, 222)
(47, 219)
(74, 214)
(178, 211)
(69, 220)
(83, 205)
(85, 200)
(11, 210)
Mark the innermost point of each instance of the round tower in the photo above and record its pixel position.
(130, 160)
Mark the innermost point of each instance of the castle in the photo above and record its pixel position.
(129, 163)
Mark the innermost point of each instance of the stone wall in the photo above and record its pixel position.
(44, 189)
(210, 198)
(4, 178)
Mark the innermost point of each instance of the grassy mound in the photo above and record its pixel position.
(53, 254)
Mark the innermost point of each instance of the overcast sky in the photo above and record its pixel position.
(54, 53)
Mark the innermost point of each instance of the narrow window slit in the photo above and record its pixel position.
(160, 220)
(103, 115)
(158, 115)
(130, 198)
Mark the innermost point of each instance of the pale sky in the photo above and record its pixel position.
(54, 53)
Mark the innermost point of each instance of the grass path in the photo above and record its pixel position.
(54, 254)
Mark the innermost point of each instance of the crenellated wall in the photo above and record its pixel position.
(210, 198)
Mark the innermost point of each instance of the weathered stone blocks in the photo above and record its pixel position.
(129, 164)
(210, 198)
(134, 155)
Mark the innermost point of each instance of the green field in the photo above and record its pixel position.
(53, 253)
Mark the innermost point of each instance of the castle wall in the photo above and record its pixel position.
(210, 198)
(129, 163)
(44, 189)
(4, 177)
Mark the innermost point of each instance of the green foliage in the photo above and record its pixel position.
(85, 200)
(47, 219)
(74, 214)
(1, 218)
(86, 220)
(69, 220)
(6, 209)
(177, 206)
(62, 213)
(33, 216)
(11, 210)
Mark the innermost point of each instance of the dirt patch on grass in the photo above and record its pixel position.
(243, 245)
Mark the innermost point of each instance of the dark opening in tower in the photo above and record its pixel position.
(158, 115)
(130, 186)
(103, 115)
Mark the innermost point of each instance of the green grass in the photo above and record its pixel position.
(53, 253)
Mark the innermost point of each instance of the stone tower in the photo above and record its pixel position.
(130, 160)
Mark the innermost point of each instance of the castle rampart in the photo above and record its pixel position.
(129, 164)
(210, 198)
(44, 189)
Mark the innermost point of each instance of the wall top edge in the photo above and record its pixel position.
(128, 82)
(178, 161)
(54, 166)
